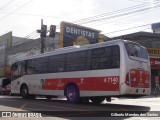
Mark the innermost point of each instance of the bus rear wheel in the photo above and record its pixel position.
(72, 94)
(24, 92)
(49, 97)
(97, 100)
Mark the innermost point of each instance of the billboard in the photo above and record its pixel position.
(73, 34)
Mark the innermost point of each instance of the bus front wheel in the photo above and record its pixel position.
(24, 92)
(97, 100)
(72, 94)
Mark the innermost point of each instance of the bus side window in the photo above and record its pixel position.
(76, 61)
(30, 67)
(98, 58)
(56, 63)
(14, 67)
(23, 67)
(115, 57)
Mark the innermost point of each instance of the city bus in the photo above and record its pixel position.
(92, 73)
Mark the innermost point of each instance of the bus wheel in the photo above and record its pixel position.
(32, 97)
(84, 100)
(97, 100)
(72, 94)
(49, 97)
(24, 92)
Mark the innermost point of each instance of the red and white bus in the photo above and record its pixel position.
(96, 72)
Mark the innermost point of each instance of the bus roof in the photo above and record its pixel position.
(71, 49)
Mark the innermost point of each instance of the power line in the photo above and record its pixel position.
(7, 4)
(16, 9)
(130, 8)
(81, 21)
(128, 28)
(114, 14)
(120, 15)
(136, 11)
(34, 15)
(123, 12)
(104, 22)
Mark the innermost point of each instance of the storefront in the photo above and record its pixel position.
(154, 54)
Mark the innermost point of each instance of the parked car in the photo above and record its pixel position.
(6, 90)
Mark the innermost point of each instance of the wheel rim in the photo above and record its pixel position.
(24, 92)
(72, 94)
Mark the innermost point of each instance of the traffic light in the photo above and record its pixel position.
(43, 30)
(52, 31)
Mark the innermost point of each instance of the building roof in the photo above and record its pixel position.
(134, 36)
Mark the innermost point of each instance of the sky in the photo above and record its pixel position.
(112, 17)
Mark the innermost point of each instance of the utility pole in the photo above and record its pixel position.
(42, 39)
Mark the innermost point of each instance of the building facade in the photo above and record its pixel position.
(12, 47)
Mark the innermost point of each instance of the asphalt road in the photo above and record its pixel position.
(122, 108)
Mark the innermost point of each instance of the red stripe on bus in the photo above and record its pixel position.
(84, 84)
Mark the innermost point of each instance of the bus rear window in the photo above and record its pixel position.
(135, 50)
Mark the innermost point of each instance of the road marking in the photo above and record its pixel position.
(22, 106)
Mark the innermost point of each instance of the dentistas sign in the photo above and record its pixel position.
(73, 34)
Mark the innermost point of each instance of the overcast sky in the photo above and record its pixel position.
(24, 16)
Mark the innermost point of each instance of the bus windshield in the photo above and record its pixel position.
(134, 50)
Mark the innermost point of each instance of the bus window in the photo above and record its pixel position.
(98, 58)
(76, 61)
(135, 50)
(14, 67)
(30, 66)
(115, 57)
(56, 63)
(40, 65)
(106, 58)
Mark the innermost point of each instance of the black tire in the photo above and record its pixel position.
(72, 94)
(24, 92)
(97, 100)
(49, 97)
(32, 97)
(84, 100)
